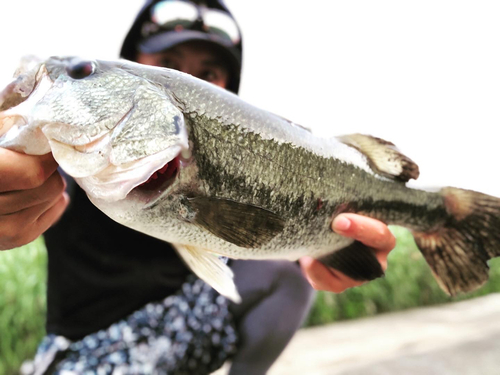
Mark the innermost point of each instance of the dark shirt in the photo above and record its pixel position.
(101, 271)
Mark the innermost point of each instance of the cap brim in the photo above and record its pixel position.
(168, 39)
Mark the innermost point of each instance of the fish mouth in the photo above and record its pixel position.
(142, 180)
(159, 181)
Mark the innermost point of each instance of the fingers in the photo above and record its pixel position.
(371, 232)
(324, 278)
(20, 171)
(49, 217)
(32, 197)
(15, 201)
(34, 220)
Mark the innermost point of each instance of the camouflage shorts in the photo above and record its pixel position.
(191, 332)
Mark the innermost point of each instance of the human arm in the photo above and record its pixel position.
(32, 197)
(370, 232)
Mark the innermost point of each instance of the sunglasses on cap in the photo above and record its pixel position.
(179, 15)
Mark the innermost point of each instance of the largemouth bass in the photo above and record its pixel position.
(186, 162)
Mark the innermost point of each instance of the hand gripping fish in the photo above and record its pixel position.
(186, 162)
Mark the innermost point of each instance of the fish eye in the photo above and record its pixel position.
(80, 69)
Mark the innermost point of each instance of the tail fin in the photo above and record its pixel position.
(458, 251)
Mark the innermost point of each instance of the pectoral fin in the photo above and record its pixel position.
(356, 261)
(211, 269)
(383, 156)
(242, 224)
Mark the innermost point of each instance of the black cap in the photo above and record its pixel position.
(164, 39)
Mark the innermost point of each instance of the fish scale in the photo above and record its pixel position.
(297, 201)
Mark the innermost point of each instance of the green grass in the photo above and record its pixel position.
(22, 304)
(408, 283)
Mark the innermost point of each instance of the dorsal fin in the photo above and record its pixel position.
(383, 156)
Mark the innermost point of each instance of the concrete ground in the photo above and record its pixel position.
(462, 338)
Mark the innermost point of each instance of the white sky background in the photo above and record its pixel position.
(424, 75)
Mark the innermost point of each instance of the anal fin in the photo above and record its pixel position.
(356, 261)
(383, 156)
(208, 267)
